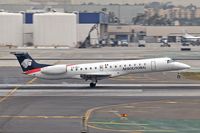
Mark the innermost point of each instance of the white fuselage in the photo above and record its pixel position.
(113, 69)
(190, 38)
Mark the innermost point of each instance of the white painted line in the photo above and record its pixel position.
(104, 92)
(101, 85)
(85, 92)
(39, 47)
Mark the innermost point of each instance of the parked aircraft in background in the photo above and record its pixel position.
(187, 39)
(96, 71)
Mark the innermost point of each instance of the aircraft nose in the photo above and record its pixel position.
(182, 66)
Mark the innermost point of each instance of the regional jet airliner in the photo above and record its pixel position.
(96, 71)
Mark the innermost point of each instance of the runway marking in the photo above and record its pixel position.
(143, 126)
(128, 106)
(14, 90)
(101, 85)
(140, 111)
(9, 94)
(171, 102)
(109, 111)
(117, 123)
(117, 130)
(90, 111)
(41, 117)
(119, 115)
(148, 107)
(31, 81)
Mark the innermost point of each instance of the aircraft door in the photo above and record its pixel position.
(153, 65)
(101, 67)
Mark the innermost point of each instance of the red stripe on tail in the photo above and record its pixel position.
(32, 71)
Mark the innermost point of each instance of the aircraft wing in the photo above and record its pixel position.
(98, 76)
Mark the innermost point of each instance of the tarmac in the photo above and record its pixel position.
(73, 55)
(31, 105)
(51, 114)
(63, 114)
(162, 116)
(136, 103)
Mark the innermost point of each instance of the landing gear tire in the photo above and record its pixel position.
(92, 85)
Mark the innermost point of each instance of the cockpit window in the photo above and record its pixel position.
(169, 61)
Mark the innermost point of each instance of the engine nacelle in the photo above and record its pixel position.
(54, 70)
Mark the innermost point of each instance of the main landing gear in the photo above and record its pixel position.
(93, 82)
(92, 85)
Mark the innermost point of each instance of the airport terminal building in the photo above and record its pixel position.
(29, 25)
(151, 34)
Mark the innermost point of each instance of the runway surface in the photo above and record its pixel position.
(132, 52)
(61, 110)
(106, 90)
(60, 114)
(30, 105)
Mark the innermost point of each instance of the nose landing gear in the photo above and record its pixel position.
(178, 75)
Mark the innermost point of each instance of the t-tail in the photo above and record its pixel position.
(27, 63)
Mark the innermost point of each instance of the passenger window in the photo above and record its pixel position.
(129, 64)
(145, 64)
(120, 65)
(110, 66)
(81, 69)
(115, 66)
(95, 68)
(85, 68)
(124, 65)
(90, 68)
